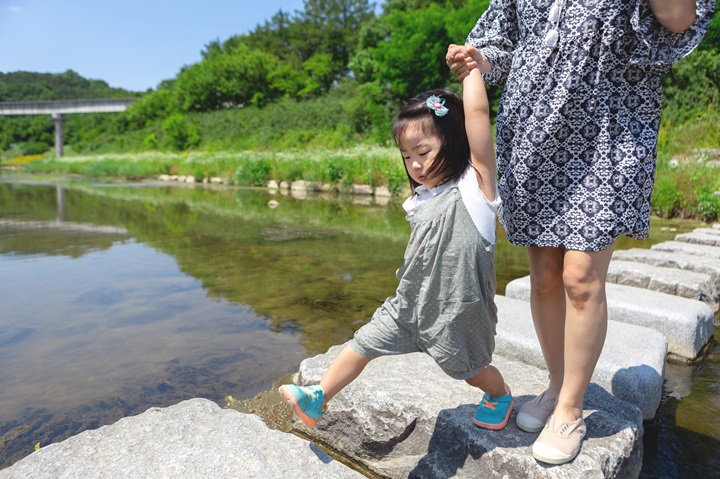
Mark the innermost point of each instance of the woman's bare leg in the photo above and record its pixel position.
(346, 366)
(547, 303)
(584, 278)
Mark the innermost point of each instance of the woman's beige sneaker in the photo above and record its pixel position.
(559, 442)
(533, 415)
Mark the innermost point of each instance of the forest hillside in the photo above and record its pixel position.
(330, 76)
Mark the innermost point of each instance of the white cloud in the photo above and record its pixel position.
(14, 8)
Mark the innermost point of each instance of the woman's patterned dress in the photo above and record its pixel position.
(577, 125)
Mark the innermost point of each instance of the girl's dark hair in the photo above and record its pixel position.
(454, 154)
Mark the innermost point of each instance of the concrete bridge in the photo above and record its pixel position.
(57, 108)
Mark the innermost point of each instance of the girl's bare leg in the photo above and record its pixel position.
(584, 278)
(547, 303)
(346, 366)
(489, 380)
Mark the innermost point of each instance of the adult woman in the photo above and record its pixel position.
(576, 134)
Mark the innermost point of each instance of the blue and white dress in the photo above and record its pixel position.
(577, 125)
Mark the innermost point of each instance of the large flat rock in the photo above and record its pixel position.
(191, 440)
(675, 259)
(686, 324)
(404, 418)
(631, 366)
(679, 282)
(708, 238)
(684, 247)
(713, 230)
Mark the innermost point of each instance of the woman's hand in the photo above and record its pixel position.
(463, 58)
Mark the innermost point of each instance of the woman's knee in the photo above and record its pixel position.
(546, 270)
(582, 285)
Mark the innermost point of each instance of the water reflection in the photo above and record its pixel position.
(121, 297)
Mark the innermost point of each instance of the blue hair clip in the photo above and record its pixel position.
(437, 105)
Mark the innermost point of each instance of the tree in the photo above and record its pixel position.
(227, 80)
(157, 104)
(274, 37)
(711, 40)
(411, 60)
(692, 87)
(320, 74)
(331, 26)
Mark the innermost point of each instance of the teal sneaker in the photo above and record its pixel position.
(494, 412)
(307, 402)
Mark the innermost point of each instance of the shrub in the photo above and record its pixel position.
(665, 197)
(180, 133)
(254, 172)
(708, 204)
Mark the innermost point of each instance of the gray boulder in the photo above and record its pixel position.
(702, 237)
(191, 440)
(677, 260)
(688, 248)
(679, 282)
(686, 324)
(404, 418)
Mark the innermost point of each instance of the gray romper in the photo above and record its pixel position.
(444, 304)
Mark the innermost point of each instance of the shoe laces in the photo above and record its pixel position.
(310, 392)
(489, 404)
(565, 429)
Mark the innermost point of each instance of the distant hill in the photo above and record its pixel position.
(29, 86)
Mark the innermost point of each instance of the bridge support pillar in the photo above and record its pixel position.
(58, 119)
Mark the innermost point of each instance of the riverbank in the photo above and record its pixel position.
(687, 186)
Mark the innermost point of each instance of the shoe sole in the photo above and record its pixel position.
(496, 427)
(559, 457)
(289, 398)
(527, 427)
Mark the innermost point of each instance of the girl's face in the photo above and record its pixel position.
(419, 150)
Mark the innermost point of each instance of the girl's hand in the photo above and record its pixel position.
(463, 58)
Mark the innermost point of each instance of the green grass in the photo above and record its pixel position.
(372, 165)
(686, 186)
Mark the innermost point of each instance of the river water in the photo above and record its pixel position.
(119, 297)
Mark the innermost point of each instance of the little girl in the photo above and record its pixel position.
(444, 305)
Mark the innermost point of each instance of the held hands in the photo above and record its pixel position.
(463, 58)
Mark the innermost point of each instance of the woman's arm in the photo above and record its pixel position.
(496, 33)
(477, 126)
(675, 15)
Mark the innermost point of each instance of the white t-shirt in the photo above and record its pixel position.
(482, 211)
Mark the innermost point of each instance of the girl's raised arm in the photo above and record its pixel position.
(477, 126)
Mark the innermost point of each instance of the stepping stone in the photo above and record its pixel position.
(709, 239)
(676, 260)
(686, 324)
(688, 248)
(686, 284)
(192, 439)
(631, 366)
(715, 230)
(404, 418)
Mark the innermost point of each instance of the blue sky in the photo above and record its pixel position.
(131, 44)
